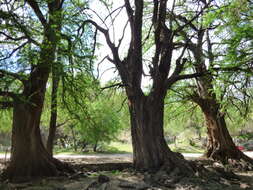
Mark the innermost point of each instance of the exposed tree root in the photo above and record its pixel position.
(240, 165)
(50, 167)
(175, 169)
(104, 166)
(63, 167)
(234, 159)
(180, 171)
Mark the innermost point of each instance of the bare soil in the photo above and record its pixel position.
(114, 174)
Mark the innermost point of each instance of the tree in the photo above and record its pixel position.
(220, 145)
(29, 158)
(75, 56)
(102, 125)
(150, 150)
(94, 118)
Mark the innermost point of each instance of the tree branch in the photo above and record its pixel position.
(119, 85)
(14, 75)
(63, 123)
(8, 37)
(116, 59)
(163, 41)
(105, 32)
(189, 22)
(123, 34)
(122, 104)
(34, 5)
(174, 79)
(130, 12)
(14, 50)
(179, 65)
(17, 24)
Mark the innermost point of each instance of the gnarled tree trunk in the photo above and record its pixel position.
(149, 147)
(150, 150)
(220, 145)
(29, 157)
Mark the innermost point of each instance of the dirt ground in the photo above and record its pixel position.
(113, 173)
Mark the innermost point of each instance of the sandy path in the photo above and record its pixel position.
(98, 158)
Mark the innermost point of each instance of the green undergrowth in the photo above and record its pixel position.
(112, 148)
(126, 148)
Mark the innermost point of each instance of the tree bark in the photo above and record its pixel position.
(150, 150)
(220, 145)
(29, 157)
(53, 117)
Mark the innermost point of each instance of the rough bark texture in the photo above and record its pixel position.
(149, 147)
(220, 144)
(150, 150)
(29, 157)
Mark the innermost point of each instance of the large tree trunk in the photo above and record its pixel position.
(220, 145)
(150, 150)
(29, 157)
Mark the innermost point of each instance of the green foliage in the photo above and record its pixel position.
(99, 117)
(237, 122)
(181, 115)
(94, 115)
(5, 121)
(102, 124)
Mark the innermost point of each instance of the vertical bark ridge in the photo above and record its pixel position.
(220, 143)
(29, 157)
(151, 151)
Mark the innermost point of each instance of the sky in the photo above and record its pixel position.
(106, 68)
